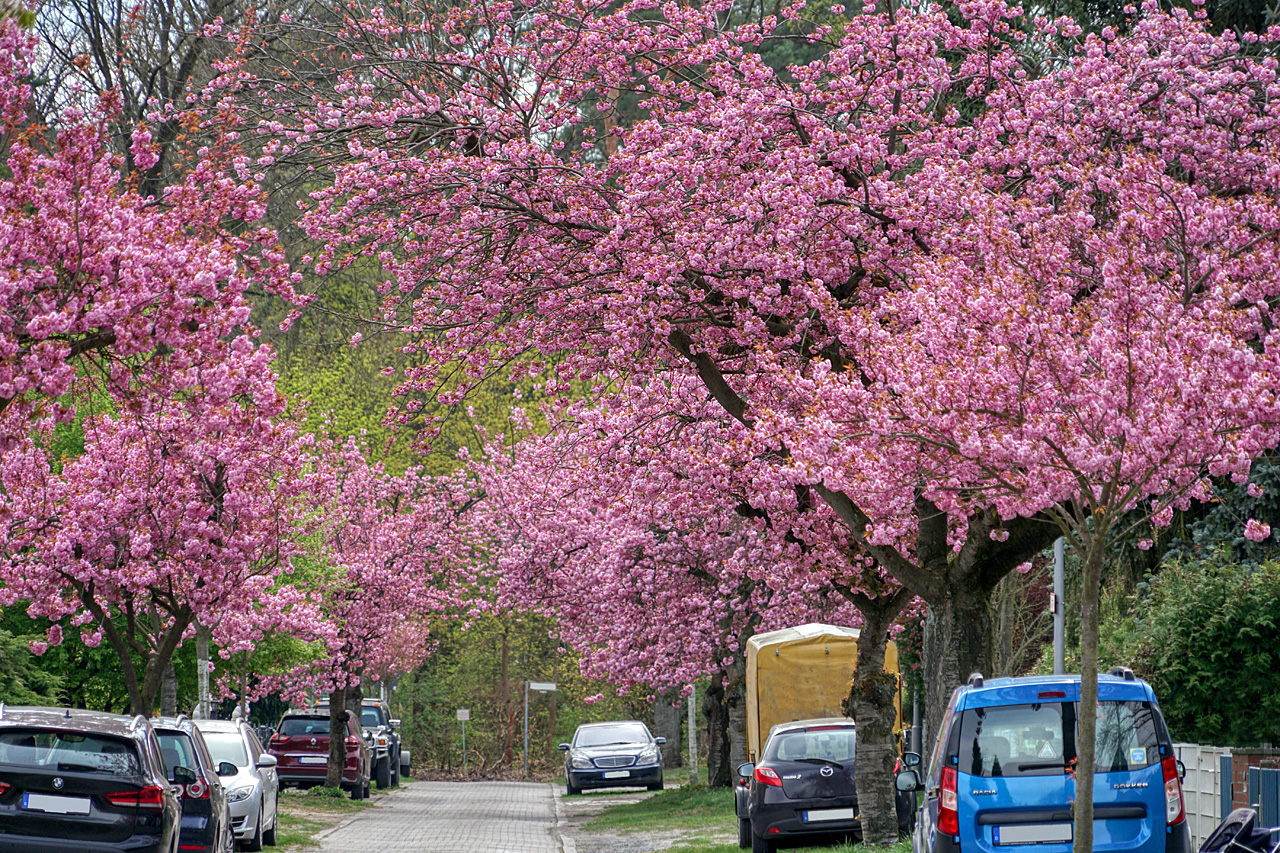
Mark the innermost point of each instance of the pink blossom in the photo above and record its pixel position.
(1256, 531)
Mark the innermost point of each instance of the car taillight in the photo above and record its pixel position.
(352, 740)
(197, 790)
(4, 788)
(150, 797)
(279, 739)
(1173, 811)
(948, 816)
(897, 764)
(765, 776)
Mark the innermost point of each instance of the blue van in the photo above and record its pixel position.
(999, 779)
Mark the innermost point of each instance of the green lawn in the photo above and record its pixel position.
(304, 813)
(706, 812)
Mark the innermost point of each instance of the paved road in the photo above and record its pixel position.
(456, 817)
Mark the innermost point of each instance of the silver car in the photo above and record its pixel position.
(254, 789)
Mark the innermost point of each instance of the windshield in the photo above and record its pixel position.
(371, 717)
(605, 735)
(1040, 739)
(227, 746)
(823, 744)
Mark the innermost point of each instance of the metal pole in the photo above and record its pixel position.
(917, 734)
(1059, 609)
(693, 734)
(464, 747)
(526, 729)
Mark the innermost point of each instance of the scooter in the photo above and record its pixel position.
(1238, 833)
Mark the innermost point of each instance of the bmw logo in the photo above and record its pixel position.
(826, 771)
(57, 782)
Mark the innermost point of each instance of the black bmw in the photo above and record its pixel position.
(803, 786)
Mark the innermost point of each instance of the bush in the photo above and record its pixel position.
(322, 791)
(1206, 635)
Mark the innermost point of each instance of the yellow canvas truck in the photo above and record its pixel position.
(802, 673)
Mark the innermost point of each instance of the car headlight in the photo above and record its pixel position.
(235, 795)
(580, 763)
(648, 755)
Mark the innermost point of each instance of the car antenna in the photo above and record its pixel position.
(68, 713)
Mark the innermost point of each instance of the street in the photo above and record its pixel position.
(454, 817)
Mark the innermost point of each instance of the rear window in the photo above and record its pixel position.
(294, 726)
(178, 751)
(69, 752)
(1040, 739)
(832, 743)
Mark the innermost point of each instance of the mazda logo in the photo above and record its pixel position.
(57, 782)
(826, 771)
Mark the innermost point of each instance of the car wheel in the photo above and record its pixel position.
(744, 833)
(395, 772)
(759, 844)
(269, 835)
(384, 772)
(356, 790)
(367, 786)
(654, 786)
(570, 790)
(254, 844)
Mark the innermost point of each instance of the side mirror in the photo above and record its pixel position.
(226, 768)
(183, 775)
(746, 770)
(907, 780)
(659, 740)
(1182, 770)
(910, 759)
(564, 747)
(395, 724)
(265, 760)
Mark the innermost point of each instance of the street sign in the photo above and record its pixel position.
(464, 714)
(542, 686)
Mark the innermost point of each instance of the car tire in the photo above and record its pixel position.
(760, 844)
(654, 786)
(744, 833)
(395, 772)
(269, 835)
(570, 790)
(255, 844)
(384, 772)
(356, 790)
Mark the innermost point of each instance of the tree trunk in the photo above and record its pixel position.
(870, 703)
(169, 690)
(957, 643)
(337, 738)
(715, 708)
(1087, 719)
(666, 724)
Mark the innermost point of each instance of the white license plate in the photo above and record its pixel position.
(1031, 833)
(56, 805)
(617, 774)
(312, 759)
(828, 814)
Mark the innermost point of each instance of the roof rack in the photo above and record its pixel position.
(1, 710)
(1122, 672)
(975, 679)
(136, 721)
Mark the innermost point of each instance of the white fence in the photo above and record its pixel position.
(1202, 788)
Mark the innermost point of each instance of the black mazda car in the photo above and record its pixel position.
(803, 786)
(75, 781)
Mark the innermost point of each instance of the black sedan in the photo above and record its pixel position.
(609, 755)
(81, 781)
(803, 786)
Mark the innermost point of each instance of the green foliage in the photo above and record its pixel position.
(87, 677)
(1206, 635)
(330, 792)
(482, 666)
(22, 681)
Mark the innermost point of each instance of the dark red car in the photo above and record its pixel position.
(301, 748)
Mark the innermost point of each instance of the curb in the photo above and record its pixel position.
(567, 844)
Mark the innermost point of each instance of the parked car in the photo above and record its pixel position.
(616, 754)
(301, 746)
(1001, 772)
(253, 789)
(381, 732)
(206, 814)
(803, 786)
(84, 781)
